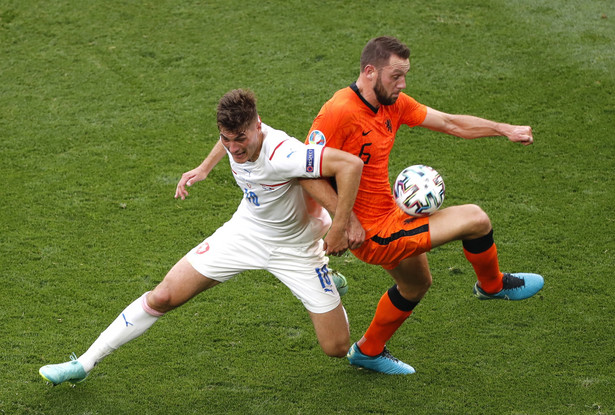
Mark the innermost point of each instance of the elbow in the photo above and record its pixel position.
(357, 165)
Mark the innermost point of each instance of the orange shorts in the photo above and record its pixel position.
(400, 236)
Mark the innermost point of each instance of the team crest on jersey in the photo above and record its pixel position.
(309, 160)
(317, 137)
(389, 125)
(204, 247)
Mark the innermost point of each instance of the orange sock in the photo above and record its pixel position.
(483, 255)
(391, 312)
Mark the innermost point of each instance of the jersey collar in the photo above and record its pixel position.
(355, 88)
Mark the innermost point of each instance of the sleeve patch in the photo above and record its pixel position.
(317, 137)
(309, 160)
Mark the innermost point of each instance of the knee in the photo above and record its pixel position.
(478, 220)
(160, 299)
(416, 291)
(425, 283)
(337, 349)
(415, 287)
(336, 343)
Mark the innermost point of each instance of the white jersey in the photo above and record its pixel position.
(274, 206)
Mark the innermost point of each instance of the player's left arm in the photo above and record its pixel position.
(346, 168)
(469, 127)
(201, 172)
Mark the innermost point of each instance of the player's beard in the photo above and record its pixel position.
(381, 94)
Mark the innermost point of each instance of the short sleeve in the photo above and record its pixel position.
(413, 113)
(293, 159)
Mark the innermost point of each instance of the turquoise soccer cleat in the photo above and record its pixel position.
(383, 363)
(71, 372)
(517, 286)
(340, 282)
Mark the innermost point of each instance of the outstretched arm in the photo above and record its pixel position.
(469, 127)
(346, 169)
(201, 172)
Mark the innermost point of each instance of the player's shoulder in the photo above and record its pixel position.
(407, 99)
(275, 139)
(344, 99)
(343, 109)
(410, 110)
(274, 136)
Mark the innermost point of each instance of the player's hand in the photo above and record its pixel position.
(521, 134)
(336, 243)
(188, 179)
(356, 233)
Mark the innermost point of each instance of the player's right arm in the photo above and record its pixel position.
(323, 193)
(346, 169)
(201, 172)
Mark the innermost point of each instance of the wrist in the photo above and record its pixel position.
(337, 226)
(503, 129)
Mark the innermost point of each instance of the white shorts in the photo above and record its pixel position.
(303, 269)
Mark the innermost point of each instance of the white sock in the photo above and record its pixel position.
(130, 324)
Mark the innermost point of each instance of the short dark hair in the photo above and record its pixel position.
(378, 51)
(237, 110)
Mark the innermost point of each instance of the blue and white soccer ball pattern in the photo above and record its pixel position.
(419, 190)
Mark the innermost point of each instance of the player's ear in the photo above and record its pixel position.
(370, 71)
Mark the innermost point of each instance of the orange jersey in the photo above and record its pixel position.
(350, 123)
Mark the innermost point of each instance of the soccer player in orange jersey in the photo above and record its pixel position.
(363, 120)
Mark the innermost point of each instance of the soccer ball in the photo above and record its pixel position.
(419, 190)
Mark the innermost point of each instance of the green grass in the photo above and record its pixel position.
(104, 104)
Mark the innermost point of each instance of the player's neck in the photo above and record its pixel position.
(367, 92)
(261, 138)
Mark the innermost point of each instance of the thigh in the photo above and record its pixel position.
(180, 284)
(230, 250)
(458, 222)
(304, 270)
(399, 236)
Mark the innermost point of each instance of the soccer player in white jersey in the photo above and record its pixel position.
(276, 227)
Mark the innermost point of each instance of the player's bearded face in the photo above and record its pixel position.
(391, 80)
(384, 97)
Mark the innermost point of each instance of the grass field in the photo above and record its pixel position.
(104, 104)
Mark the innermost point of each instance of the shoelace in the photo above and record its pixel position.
(386, 354)
(512, 282)
(73, 356)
